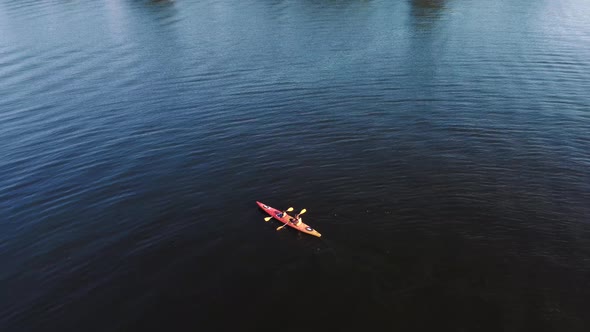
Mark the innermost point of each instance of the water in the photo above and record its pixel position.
(440, 147)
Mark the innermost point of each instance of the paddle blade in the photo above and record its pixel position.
(290, 209)
(267, 218)
(281, 227)
(303, 211)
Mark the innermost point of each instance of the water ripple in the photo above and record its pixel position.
(430, 142)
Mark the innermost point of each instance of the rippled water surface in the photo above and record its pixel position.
(442, 148)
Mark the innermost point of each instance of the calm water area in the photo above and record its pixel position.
(442, 148)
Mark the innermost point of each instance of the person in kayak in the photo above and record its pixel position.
(284, 213)
(297, 220)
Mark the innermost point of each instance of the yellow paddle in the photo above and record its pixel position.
(269, 218)
(296, 217)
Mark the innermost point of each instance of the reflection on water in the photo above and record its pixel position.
(425, 13)
(427, 7)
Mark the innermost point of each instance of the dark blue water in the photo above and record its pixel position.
(442, 148)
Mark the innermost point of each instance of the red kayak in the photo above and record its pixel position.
(285, 218)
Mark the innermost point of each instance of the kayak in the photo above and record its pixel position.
(286, 219)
